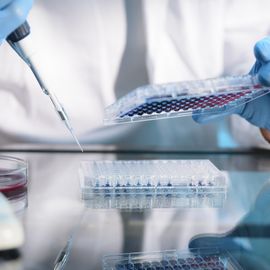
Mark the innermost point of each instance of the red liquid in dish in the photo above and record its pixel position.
(13, 185)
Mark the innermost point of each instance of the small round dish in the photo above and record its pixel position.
(13, 177)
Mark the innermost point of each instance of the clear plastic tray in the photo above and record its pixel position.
(152, 184)
(211, 96)
(210, 259)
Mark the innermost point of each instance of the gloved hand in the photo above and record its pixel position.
(13, 13)
(256, 112)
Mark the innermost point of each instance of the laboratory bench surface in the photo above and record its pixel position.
(55, 211)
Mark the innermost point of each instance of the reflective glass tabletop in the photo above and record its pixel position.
(55, 212)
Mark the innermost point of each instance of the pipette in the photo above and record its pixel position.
(14, 41)
(64, 253)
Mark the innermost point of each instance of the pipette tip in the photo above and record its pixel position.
(76, 139)
(78, 143)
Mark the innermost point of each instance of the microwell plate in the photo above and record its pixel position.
(210, 259)
(211, 96)
(144, 184)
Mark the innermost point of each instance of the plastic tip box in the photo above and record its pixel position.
(211, 96)
(210, 259)
(152, 184)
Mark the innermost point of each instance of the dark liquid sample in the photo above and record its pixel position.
(13, 185)
(184, 104)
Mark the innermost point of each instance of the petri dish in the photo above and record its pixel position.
(13, 180)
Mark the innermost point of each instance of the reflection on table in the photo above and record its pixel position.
(55, 207)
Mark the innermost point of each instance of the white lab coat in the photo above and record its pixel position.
(91, 52)
(201, 39)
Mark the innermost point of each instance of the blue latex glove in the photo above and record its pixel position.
(256, 112)
(13, 13)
